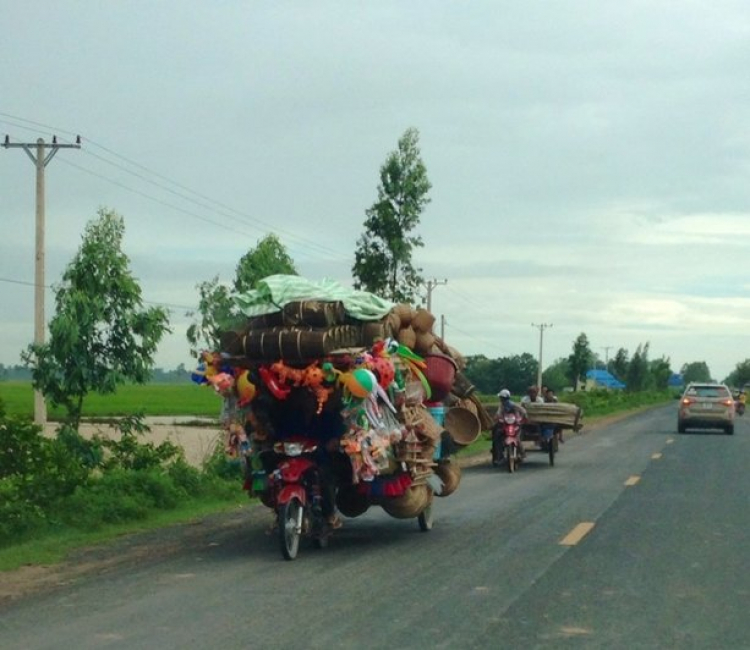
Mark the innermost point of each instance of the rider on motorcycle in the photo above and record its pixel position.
(506, 406)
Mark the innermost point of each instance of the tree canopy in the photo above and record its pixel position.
(580, 359)
(383, 256)
(101, 335)
(269, 257)
(740, 375)
(695, 371)
(216, 311)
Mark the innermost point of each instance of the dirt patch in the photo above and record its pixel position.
(134, 550)
(198, 442)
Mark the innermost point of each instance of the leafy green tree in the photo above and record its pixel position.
(660, 372)
(216, 311)
(515, 373)
(740, 375)
(556, 375)
(100, 335)
(619, 365)
(382, 259)
(637, 378)
(580, 359)
(269, 257)
(695, 371)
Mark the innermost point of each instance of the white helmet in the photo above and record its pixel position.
(504, 394)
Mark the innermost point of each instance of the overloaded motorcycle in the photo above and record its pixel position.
(294, 491)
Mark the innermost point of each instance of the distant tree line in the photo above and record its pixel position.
(180, 375)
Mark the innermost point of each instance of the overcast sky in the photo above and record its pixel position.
(590, 160)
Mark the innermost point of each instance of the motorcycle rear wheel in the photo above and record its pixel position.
(552, 444)
(289, 533)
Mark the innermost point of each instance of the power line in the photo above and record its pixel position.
(148, 302)
(329, 252)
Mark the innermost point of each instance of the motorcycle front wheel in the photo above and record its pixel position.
(511, 453)
(289, 529)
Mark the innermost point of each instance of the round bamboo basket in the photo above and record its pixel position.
(450, 474)
(423, 321)
(350, 502)
(463, 425)
(407, 336)
(409, 504)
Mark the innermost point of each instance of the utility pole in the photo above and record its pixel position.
(431, 284)
(442, 326)
(541, 327)
(606, 349)
(40, 161)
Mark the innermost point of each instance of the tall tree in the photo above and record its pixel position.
(383, 257)
(740, 375)
(269, 257)
(580, 359)
(637, 377)
(214, 314)
(556, 375)
(100, 335)
(695, 371)
(216, 311)
(660, 372)
(619, 365)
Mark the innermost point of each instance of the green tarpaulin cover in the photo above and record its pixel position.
(275, 291)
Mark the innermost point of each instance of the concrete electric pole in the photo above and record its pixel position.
(40, 161)
(430, 285)
(541, 327)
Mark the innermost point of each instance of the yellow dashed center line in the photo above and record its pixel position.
(632, 480)
(656, 456)
(577, 534)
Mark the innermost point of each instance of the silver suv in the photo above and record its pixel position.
(706, 406)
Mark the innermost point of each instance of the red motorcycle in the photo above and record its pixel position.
(512, 445)
(294, 492)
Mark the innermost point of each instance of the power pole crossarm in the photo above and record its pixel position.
(430, 285)
(40, 161)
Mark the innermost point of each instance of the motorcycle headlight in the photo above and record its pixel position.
(293, 448)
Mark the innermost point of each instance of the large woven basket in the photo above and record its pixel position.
(423, 320)
(450, 474)
(409, 504)
(463, 425)
(350, 502)
(440, 372)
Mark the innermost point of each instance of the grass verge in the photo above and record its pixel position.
(54, 546)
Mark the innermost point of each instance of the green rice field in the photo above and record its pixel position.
(151, 399)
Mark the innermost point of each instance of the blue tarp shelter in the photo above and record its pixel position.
(604, 379)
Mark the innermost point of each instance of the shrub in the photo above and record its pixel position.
(18, 516)
(185, 477)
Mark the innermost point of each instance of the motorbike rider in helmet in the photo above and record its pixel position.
(506, 406)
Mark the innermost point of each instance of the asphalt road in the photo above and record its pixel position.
(663, 564)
